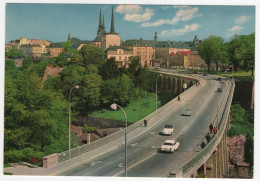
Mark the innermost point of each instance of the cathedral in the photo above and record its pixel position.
(104, 39)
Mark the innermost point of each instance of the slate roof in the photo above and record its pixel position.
(155, 44)
(118, 47)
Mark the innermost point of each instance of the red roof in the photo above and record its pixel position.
(185, 52)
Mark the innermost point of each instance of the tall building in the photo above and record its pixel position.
(112, 38)
(100, 31)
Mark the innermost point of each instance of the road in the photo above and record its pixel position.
(143, 157)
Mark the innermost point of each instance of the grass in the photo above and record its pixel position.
(7, 165)
(135, 110)
(8, 173)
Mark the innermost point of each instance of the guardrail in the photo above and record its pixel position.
(210, 147)
(102, 141)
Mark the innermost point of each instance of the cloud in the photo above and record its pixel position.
(184, 13)
(181, 7)
(135, 13)
(139, 17)
(124, 9)
(234, 30)
(242, 19)
(181, 31)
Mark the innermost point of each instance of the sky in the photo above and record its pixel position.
(54, 22)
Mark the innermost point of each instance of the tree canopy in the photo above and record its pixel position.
(213, 49)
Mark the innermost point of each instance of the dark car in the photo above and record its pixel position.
(219, 78)
(219, 90)
(204, 74)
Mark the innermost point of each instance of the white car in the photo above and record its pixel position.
(169, 146)
(167, 130)
(187, 112)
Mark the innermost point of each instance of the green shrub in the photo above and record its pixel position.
(87, 129)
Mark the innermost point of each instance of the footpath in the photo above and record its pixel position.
(64, 166)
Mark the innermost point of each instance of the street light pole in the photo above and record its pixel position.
(77, 87)
(114, 107)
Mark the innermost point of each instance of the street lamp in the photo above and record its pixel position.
(77, 87)
(114, 107)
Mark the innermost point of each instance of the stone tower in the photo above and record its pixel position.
(155, 36)
(101, 28)
(112, 28)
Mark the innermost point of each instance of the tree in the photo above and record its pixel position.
(242, 52)
(134, 65)
(213, 49)
(62, 60)
(27, 61)
(109, 70)
(110, 91)
(92, 55)
(91, 89)
(13, 53)
(125, 90)
(66, 45)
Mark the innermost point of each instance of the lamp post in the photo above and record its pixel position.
(77, 87)
(114, 107)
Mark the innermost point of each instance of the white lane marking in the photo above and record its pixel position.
(134, 164)
(120, 165)
(152, 132)
(94, 163)
(133, 144)
(153, 147)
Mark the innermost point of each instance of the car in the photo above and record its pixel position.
(170, 146)
(219, 78)
(187, 112)
(219, 90)
(204, 74)
(167, 130)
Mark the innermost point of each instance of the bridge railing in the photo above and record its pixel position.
(102, 141)
(210, 147)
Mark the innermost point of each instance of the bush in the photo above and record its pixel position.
(87, 129)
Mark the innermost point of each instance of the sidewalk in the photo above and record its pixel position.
(162, 113)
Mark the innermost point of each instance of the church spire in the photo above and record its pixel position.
(112, 29)
(100, 18)
(103, 21)
(69, 37)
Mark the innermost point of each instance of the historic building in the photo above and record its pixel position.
(121, 55)
(187, 59)
(104, 39)
(144, 49)
(100, 31)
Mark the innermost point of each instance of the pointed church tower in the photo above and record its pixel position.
(100, 30)
(69, 37)
(112, 28)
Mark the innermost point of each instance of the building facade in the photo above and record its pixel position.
(121, 55)
(187, 59)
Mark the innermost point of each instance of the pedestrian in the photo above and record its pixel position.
(202, 145)
(179, 98)
(215, 130)
(145, 123)
(208, 138)
(211, 128)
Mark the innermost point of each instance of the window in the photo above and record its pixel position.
(119, 57)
